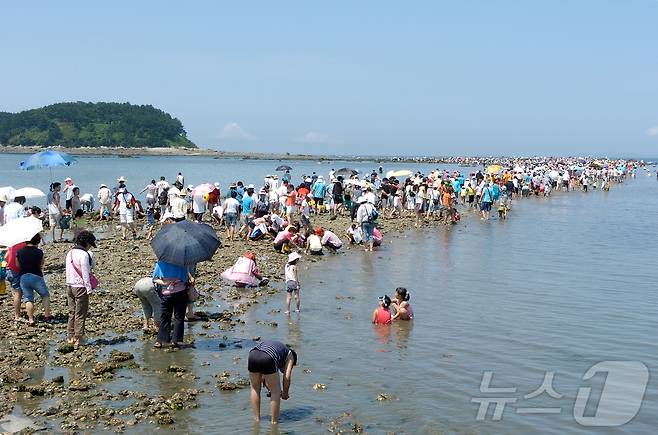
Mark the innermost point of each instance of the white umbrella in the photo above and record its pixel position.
(20, 230)
(29, 192)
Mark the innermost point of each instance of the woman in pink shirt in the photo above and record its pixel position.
(244, 272)
(79, 264)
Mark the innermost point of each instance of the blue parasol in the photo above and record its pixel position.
(47, 159)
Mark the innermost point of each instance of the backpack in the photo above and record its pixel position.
(373, 215)
(129, 204)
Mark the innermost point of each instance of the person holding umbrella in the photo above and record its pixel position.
(179, 247)
(172, 283)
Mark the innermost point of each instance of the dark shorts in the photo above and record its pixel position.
(317, 252)
(486, 206)
(319, 201)
(260, 362)
(69, 203)
(338, 199)
(292, 286)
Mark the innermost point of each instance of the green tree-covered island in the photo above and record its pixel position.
(82, 124)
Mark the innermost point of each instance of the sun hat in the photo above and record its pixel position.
(68, 179)
(121, 179)
(251, 186)
(293, 256)
(3, 197)
(362, 200)
(102, 185)
(216, 184)
(182, 193)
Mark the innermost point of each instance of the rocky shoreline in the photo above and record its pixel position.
(81, 404)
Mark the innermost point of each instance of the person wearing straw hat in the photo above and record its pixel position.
(179, 206)
(124, 204)
(293, 286)
(104, 200)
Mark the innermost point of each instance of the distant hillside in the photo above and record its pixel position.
(93, 125)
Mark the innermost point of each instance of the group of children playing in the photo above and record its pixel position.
(401, 308)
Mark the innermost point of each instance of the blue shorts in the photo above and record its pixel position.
(486, 206)
(231, 219)
(31, 283)
(14, 280)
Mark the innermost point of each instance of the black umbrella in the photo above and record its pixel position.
(185, 243)
(283, 168)
(346, 172)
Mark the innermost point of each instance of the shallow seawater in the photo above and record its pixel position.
(565, 283)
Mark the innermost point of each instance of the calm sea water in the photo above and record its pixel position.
(565, 283)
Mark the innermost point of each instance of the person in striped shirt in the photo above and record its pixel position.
(264, 364)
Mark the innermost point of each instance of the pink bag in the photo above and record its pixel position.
(93, 281)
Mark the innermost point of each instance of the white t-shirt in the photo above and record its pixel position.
(291, 270)
(104, 195)
(198, 204)
(13, 210)
(231, 205)
(162, 185)
(124, 199)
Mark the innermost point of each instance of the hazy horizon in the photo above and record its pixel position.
(367, 78)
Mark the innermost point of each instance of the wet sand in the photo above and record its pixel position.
(31, 356)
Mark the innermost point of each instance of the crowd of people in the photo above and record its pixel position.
(279, 212)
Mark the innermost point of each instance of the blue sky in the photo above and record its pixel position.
(360, 77)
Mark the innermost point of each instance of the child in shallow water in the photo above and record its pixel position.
(401, 305)
(292, 281)
(382, 314)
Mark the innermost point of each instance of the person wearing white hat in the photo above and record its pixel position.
(292, 281)
(179, 206)
(365, 216)
(104, 199)
(68, 191)
(124, 204)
